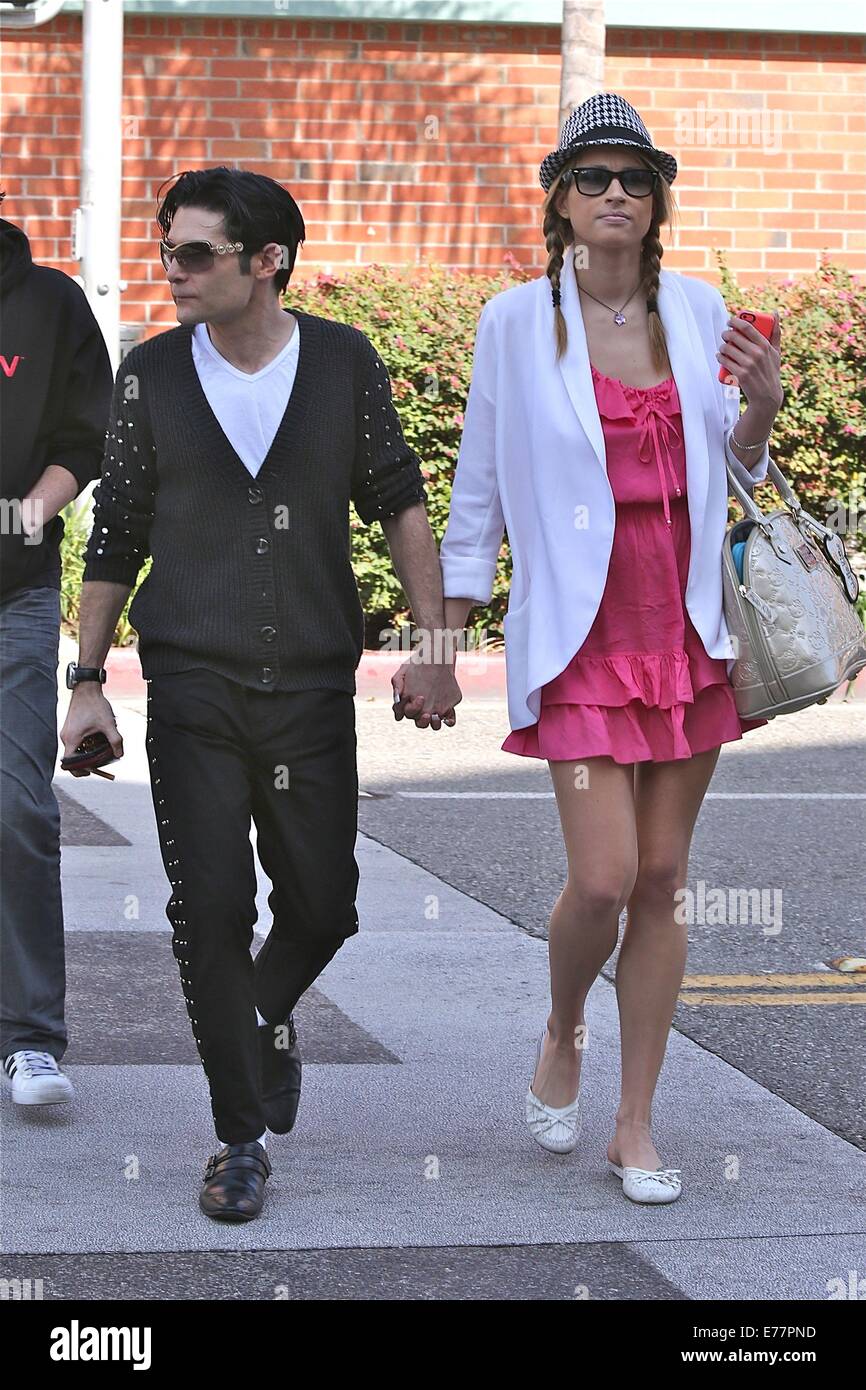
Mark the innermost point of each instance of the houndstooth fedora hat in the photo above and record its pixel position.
(604, 119)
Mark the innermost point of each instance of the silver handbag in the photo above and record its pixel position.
(795, 632)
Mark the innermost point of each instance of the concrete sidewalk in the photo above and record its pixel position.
(418, 1043)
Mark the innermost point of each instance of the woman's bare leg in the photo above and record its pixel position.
(595, 797)
(652, 957)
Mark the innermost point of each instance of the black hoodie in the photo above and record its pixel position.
(55, 394)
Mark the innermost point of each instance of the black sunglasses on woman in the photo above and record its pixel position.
(594, 179)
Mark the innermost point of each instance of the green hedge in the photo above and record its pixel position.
(423, 326)
(77, 521)
(819, 436)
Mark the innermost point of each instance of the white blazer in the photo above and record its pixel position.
(532, 462)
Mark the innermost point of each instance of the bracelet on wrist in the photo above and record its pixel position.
(746, 447)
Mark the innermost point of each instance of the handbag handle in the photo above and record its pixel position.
(831, 544)
(779, 481)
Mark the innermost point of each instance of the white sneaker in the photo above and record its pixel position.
(555, 1129)
(644, 1185)
(37, 1079)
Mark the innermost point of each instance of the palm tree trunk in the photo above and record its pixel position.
(583, 31)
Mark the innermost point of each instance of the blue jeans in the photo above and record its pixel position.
(32, 959)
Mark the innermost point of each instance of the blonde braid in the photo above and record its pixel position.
(555, 243)
(651, 256)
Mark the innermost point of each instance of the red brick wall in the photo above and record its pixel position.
(409, 143)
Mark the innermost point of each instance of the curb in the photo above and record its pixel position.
(478, 673)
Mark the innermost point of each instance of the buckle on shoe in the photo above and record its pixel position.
(235, 1161)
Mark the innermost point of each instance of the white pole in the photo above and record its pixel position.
(96, 228)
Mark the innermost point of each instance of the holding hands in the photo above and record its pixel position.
(426, 690)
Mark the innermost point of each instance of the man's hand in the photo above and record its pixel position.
(427, 692)
(89, 713)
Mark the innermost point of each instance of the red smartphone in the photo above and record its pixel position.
(763, 323)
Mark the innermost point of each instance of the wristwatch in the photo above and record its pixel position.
(76, 673)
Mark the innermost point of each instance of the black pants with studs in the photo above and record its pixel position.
(222, 755)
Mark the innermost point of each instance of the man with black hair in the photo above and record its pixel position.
(55, 388)
(235, 444)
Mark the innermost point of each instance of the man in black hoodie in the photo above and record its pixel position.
(55, 393)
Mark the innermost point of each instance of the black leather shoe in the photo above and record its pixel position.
(279, 1074)
(234, 1182)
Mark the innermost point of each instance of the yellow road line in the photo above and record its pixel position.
(755, 997)
(831, 980)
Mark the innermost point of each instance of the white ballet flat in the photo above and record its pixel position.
(647, 1185)
(555, 1129)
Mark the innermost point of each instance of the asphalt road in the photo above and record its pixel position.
(453, 802)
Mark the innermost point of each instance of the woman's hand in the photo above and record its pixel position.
(427, 692)
(754, 361)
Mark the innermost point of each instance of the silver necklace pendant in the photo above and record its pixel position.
(619, 317)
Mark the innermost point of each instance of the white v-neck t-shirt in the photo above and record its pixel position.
(249, 406)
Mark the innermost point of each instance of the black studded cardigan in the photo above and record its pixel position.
(250, 577)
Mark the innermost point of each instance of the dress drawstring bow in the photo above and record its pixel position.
(657, 434)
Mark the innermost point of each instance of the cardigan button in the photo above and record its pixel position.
(267, 675)
(255, 494)
(268, 632)
(263, 545)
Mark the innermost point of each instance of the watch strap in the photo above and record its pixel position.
(77, 674)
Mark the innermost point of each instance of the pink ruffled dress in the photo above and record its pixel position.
(642, 687)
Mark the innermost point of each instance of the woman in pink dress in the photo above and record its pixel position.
(632, 727)
(642, 687)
